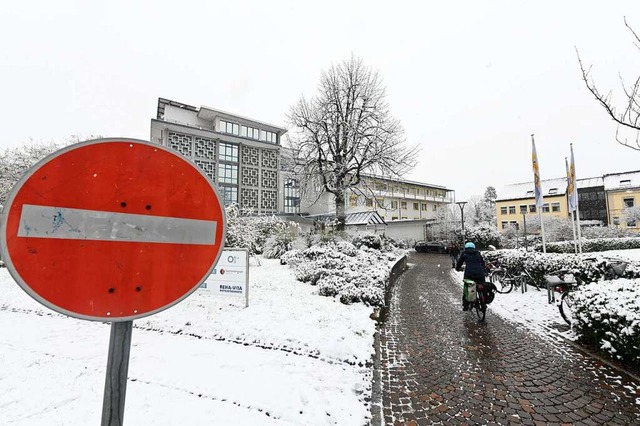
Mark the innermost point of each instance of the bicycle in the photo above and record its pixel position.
(564, 282)
(476, 298)
(505, 281)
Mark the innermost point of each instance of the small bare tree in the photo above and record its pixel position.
(627, 117)
(346, 131)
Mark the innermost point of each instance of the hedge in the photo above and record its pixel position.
(596, 244)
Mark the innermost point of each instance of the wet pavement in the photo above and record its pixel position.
(439, 365)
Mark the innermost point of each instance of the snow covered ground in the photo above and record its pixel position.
(291, 357)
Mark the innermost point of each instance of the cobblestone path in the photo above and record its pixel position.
(439, 365)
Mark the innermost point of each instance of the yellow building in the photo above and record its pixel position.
(518, 200)
(623, 191)
(601, 200)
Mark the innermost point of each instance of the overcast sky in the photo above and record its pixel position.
(470, 80)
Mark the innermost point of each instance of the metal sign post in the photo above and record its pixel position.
(115, 387)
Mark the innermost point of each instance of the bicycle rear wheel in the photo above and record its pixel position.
(503, 284)
(481, 308)
(566, 307)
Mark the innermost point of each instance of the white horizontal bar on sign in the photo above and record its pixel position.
(78, 224)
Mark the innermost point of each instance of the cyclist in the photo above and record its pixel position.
(475, 267)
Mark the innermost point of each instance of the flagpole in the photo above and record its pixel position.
(538, 189)
(573, 224)
(575, 185)
(544, 245)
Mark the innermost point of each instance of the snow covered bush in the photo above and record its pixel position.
(370, 240)
(339, 269)
(483, 236)
(591, 232)
(607, 316)
(257, 233)
(596, 244)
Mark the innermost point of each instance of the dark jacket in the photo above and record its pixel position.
(454, 250)
(475, 267)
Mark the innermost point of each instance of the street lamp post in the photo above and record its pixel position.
(461, 205)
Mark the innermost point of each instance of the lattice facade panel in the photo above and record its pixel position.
(269, 179)
(205, 148)
(181, 143)
(250, 156)
(268, 200)
(249, 197)
(209, 168)
(249, 176)
(269, 159)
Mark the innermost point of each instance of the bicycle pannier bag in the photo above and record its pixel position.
(469, 290)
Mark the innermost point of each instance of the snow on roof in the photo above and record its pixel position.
(550, 187)
(590, 182)
(525, 190)
(624, 180)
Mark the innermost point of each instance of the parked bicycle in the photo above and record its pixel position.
(562, 281)
(505, 281)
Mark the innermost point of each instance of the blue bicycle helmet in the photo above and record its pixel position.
(470, 245)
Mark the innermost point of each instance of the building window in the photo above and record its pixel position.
(553, 191)
(545, 208)
(514, 224)
(616, 221)
(394, 204)
(503, 210)
(628, 202)
(231, 128)
(394, 217)
(523, 208)
(416, 206)
(434, 207)
(268, 136)
(380, 202)
(424, 206)
(403, 205)
(369, 202)
(249, 132)
(380, 186)
(631, 223)
(555, 207)
(529, 193)
(532, 208)
(229, 195)
(292, 204)
(291, 196)
(228, 152)
(512, 209)
(504, 224)
(625, 182)
(228, 173)
(353, 200)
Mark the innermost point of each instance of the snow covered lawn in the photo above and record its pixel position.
(291, 357)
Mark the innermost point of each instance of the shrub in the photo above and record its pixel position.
(341, 270)
(597, 244)
(610, 319)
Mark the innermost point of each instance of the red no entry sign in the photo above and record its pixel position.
(112, 229)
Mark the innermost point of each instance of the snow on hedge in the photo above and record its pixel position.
(607, 315)
(593, 245)
(342, 270)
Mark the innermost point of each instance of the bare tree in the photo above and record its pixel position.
(346, 131)
(14, 162)
(629, 115)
